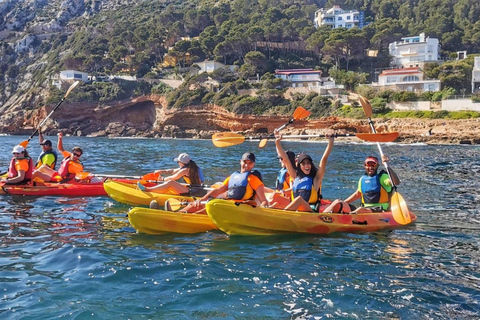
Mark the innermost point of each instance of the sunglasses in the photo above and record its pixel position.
(371, 164)
(15, 153)
(77, 155)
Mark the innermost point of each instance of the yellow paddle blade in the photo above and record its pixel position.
(378, 137)
(300, 113)
(176, 204)
(262, 143)
(227, 139)
(399, 209)
(367, 107)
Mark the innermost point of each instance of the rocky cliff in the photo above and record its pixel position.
(148, 116)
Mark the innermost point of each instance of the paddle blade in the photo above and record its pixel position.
(227, 139)
(378, 137)
(24, 143)
(262, 143)
(71, 88)
(399, 209)
(300, 113)
(82, 175)
(173, 204)
(367, 107)
(151, 176)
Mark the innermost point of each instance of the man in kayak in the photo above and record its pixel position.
(48, 156)
(70, 166)
(240, 186)
(374, 189)
(306, 178)
(188, 170)
(20, 168)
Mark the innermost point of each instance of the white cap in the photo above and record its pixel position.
(183, 158)
(18, 149)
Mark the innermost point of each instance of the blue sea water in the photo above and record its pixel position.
(78, 258)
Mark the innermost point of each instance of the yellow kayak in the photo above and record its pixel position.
(128, 193)
(244, 219)
(154, 221)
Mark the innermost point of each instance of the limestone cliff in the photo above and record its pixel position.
(148, 116)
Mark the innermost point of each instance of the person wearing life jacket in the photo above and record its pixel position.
(20, 168)
(306, 179)
(188, 170)
(374, 190)
(69, 167)
(48, 156)
(280, 198)
(240, 186)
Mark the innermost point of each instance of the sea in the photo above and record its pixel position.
(79, 258)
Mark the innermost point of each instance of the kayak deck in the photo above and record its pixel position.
(159, 222)
(247, 220)
(128, 193)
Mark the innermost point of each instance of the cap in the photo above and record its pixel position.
(18, 149)
(303, 156)
(248, 156)
(46, 143)
(183, 158)
(371, 159)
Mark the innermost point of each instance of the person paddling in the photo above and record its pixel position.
(20, 168)
(69, 167)
(240, 186)
(374, 190)
(188, 170)
(306, 178)
(48, 156)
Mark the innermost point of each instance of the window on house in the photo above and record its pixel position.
(391, 79)
(410, 78)
(348, 17)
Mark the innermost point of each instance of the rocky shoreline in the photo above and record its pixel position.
(148, 116)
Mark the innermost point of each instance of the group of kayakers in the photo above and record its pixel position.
(298, 186)
(22, 170)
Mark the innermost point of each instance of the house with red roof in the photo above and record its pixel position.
(406, 79)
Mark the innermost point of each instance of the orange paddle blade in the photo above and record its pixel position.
(151, 176)
(367, 107)
(300, 113)
(82, 175)
(378, 137)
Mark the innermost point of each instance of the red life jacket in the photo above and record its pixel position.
(12, 171)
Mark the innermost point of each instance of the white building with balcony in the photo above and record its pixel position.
(414, 51)
(407, 79)
(301, 77)
(476, 75)
(336, 17)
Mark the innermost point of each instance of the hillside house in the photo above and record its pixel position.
(407, 79)
(301, 77)
(336, 17)
(414, 51)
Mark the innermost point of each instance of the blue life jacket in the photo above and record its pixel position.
(238, 186)
(372, 190)
(303, 187)
(281, 179)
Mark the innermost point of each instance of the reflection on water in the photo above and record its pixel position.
(79, 257)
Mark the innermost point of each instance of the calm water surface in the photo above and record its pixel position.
(78, 258)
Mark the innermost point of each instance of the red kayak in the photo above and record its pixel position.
(75, 189)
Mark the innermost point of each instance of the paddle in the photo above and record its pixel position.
(149, 176)
(399, 208)
(25, 143)
(299, 113)
(227, 139)
(176, 204)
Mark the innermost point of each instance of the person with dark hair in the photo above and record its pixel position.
(240, 186)
(20, 168)
(188, 170)
(69, 167)
(306, 178)
(48, 156)
(374, 189)
(280, 198)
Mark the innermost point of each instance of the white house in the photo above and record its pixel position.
(414, 51)
(476, 75)
(73, 75)
(210, 66)
(407, 79)
(336, 17)
(301, 77)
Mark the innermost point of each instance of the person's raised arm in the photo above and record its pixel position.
(323, 162)
(281, 152)
(393, 174)
(40, 135)
(60, 142)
